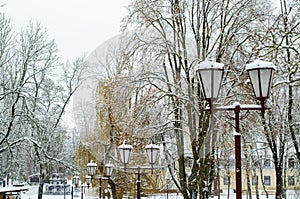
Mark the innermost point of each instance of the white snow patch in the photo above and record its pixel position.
(235, 133)
(209, 65)
(235, 104)
(260, 64)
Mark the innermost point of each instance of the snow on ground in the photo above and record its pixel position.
(32, 194)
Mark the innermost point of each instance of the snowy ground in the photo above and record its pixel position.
(32, 194)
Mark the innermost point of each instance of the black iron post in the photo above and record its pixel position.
(238, 163)
(72, 192)
(237, 137)
(138, 183)
(64, 188)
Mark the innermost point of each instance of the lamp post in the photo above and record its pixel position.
(109, 169)
(210, 75)
(125, 151)
(75, 182)
(88, 180)
(82, 190)
(92, 166)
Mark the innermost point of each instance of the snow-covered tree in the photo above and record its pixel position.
(36, 89)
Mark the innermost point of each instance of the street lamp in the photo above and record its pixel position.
(261, 75)
(76, 181)
(210, 75)
(92, 166)
(152, 152)
(109, 169)
(125, 151)
(88, 180)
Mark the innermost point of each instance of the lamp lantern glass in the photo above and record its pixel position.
(109, 169)
(76, 180)
(92, 166)
(152, 151)
(125, 151)
(210, 75)
(261, 74)
(88, 180)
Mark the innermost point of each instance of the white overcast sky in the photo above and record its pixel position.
(77, 26)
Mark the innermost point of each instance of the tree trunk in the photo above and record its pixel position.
(228, 187)
(256, 184)
(279, 182)
(42, 173)
(113, 189)
(41, 183)
(180, 149)
(262, 180)
(217, 181)
(248, 179)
